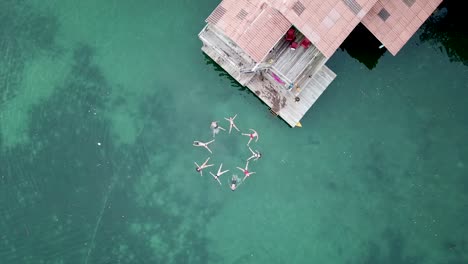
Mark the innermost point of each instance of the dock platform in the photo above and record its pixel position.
(288, 81)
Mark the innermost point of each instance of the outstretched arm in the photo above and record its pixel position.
(209, 142)
(234, 117)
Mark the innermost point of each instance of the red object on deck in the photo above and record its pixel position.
(294, 45)
(291, 35)
(305, 43)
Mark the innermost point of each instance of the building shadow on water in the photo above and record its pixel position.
(363, 46)
(447, 29)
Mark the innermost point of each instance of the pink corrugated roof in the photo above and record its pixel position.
(405, 17)
(254, 25)
(326, 23)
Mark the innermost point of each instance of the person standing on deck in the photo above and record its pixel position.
(231, 123)
(251, 136)
(216, 177)
(216, 128)
(197, 143)
(246, 171)
(203, 166)
(255, 155)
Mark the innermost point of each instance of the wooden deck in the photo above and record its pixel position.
(304, 68)
(228, 55)
(283, 101)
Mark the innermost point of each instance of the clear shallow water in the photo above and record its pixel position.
(376, 175)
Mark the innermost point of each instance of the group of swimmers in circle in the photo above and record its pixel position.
(235, 180)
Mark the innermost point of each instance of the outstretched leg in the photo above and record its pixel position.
(248, 143)
(221, 172)
(234, 125)
(251, 151)
(208, 149)
(248, 175)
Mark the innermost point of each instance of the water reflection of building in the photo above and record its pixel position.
(278, 48)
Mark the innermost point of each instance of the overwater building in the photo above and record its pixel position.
(279, 48)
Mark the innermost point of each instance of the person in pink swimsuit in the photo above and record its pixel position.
(251, 136)
(231, 123)
(203, 144)
(246, 171)
(219, 173)
(203, 166)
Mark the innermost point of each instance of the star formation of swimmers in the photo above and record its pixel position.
(235, 180)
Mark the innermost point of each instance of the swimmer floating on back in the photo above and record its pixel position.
(255, 155)
(203, 166)
(246, 171)
(216, 128)
(203, 144)
(251, 136)
(231, 123)
(235, 182)
(219, 173)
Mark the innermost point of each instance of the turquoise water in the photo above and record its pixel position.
(100, 103)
